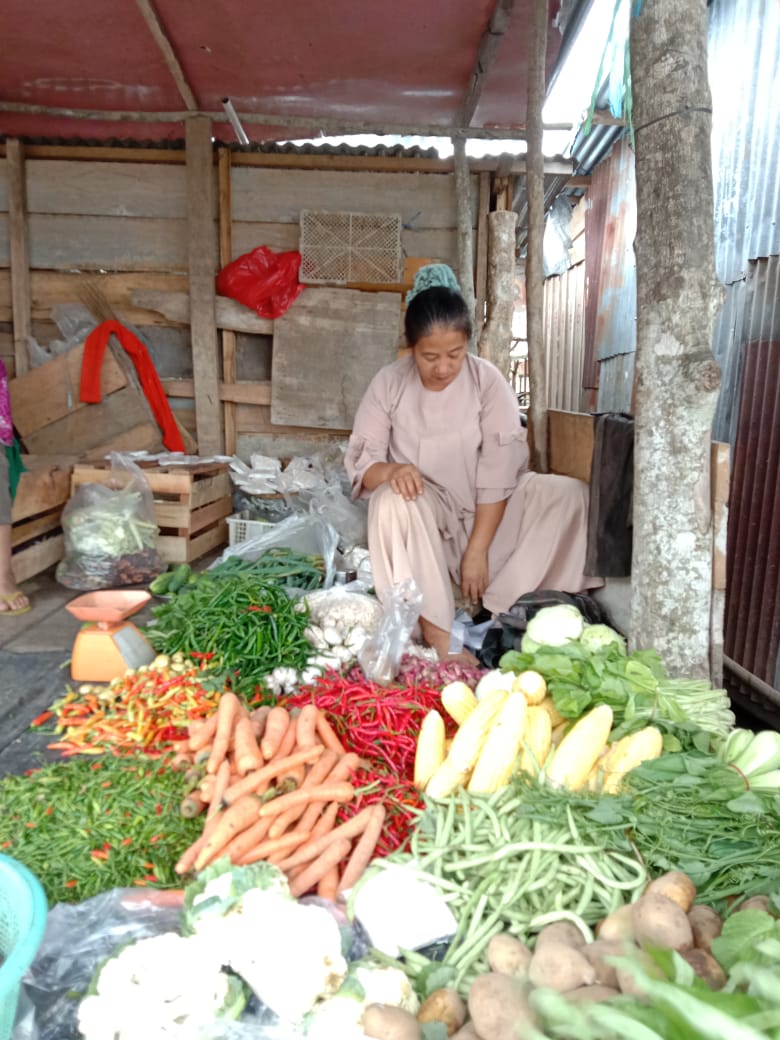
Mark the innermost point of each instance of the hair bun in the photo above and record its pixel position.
(431, 276)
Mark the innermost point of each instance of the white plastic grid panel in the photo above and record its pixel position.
(338, 248)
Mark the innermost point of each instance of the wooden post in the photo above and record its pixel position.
(19, 253)
(202, 273)
(483, 210)
(225, 256)
(677, 378)
(496, 339)
(534, 276)
(465, 238)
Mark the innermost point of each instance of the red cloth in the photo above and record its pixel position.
(90, 393)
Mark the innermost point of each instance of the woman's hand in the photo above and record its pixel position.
(406, 480)
(474, 573)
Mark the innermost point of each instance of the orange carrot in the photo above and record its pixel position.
(276, 725)
(182, 760)
(351, 828)
(273, 846)
(328, 885)
(228, 710)
(319, 867)
(253, 781)
(246, 840)
(342, 770)
(307, 726)
(192, 805)
(322, 823)
(338, 792)
(202, 733)
(221, 781)
(228, 824)
(363, 850)
(206, 786)
(246, 752)
(258, 717)
(188, 857)
(328, 735)
(319, 772)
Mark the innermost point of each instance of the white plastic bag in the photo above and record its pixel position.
(380, 656)
(303, 532)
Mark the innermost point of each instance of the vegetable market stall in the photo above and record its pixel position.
(568, 840)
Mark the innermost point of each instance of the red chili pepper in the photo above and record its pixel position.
(43, 717)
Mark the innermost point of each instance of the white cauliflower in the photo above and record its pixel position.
(166, 986)
(342, 1014)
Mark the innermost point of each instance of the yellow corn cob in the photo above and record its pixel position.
(458, 701)
(532, 685)
(555, 716)
(445, 780)
(537, 739)
(430, 749)
(626, 754)
(496, 762)
(472, 734)
(577, 752)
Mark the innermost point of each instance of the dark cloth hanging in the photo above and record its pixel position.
(610, 523)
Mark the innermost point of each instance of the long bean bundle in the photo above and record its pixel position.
(249, 624)
(504, 867)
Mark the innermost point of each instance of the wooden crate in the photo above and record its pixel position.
(37, 541)
(191, 504)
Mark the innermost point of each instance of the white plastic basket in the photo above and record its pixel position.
(241, 529)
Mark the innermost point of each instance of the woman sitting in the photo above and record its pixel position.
(439, 448)
(12, 600)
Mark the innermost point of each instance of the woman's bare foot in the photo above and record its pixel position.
(439, 640)
(12, 600)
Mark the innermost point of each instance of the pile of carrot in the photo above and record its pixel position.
(272, 783)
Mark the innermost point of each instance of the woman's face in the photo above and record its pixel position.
(439, 356)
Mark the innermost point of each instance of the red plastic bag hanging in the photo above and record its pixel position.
(263, 280)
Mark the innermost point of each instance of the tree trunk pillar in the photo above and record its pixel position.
(495, 342)
(677, 378)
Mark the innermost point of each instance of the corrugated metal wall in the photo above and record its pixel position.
(564, 331)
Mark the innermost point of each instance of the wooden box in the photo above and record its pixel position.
(37, 541)
(191, 504)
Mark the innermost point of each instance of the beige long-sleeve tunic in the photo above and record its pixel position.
(470, 447)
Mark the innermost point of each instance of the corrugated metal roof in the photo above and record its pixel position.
(744, 58)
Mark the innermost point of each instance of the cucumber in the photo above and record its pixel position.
(159, 587)
(179, 577)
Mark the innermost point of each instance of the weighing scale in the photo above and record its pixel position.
(108, 644)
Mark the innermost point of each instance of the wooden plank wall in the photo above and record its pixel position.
(122, 225)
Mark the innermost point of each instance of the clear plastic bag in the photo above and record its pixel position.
(303, 532)
(111, 532)
(349, 518)
(380, 656)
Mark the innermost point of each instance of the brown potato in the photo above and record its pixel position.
(594, 994)
(659, 921)
(560, 967)
(706, 925)
(758, 903)
(627, 983)
(617, 926)
(561, 932)
(508, 955)
(675, 886)
(390, 1023)
(444, 1005)
(498, 1006)
(599, 954)
(706, 967)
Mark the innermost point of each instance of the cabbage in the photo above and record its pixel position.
(599, 637)
(554, 626)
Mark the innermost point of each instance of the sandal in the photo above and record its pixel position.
(10, 611)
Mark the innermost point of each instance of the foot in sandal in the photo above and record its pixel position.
(13, 601)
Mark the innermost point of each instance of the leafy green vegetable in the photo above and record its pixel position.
(741, 938)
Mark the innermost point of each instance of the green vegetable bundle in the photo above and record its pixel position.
(248, 623)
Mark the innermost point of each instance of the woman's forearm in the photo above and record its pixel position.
(377, 474)
(487, 517)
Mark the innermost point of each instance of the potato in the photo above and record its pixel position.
(594, 994)
(706, 967)
(561, 932)
(758, 903)
(675, 886)
(443, 1005)
(617, 926)
(467, 1032)
(390, 1023)
(628, 983)
(508, 955)
(498, 1005)
(660, 922)
(706, 925)
(599, 953)
(560, 967)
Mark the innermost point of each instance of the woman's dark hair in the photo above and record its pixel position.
(437, 306)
